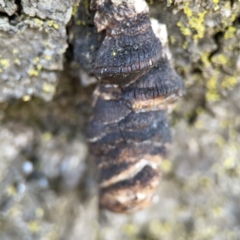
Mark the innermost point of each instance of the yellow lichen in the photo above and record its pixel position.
(208, 232)
(195, 21)
(4, 63)
(33, 73)
(78, 22)
(130, 229)
(217, 212)
(75, 9)
(26, 98)
(48, 87)
(17, 61)
(229, 163)
(47, 136)
(199, 124)
(34, 226)
(36, 60)
(220, 59)
(220, 141)
(185, 45)
(15, 211)
(160, 228)
(39, 22)
(56, 26)
(52, 23)
(166, 166)
(172, 39)
(47, 57)
(184, 30)
(199, 110)
(212, 94)
(11, 190)
(81, 22)
(15, 51)
(39, 67)
(230, 33)
(187, 10)
(212, 83)
(229, 82)
(39, 212)
(51, 236)
(205, 181)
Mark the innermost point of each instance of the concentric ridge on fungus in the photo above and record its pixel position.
(128, 132)
(130, 47)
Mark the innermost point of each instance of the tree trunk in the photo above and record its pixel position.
(48, 184)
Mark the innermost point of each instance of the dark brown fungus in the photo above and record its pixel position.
(87, 40)
(129, 147)
(128, 132)
(158, 89)
(130, 47)
(132, 194)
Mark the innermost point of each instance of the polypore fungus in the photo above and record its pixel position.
(128, 132)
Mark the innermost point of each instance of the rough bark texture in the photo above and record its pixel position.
(47, 187)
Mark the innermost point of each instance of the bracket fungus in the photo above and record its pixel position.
(128, 132)
(130, 47)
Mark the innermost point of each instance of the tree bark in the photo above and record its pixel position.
(48, 184)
